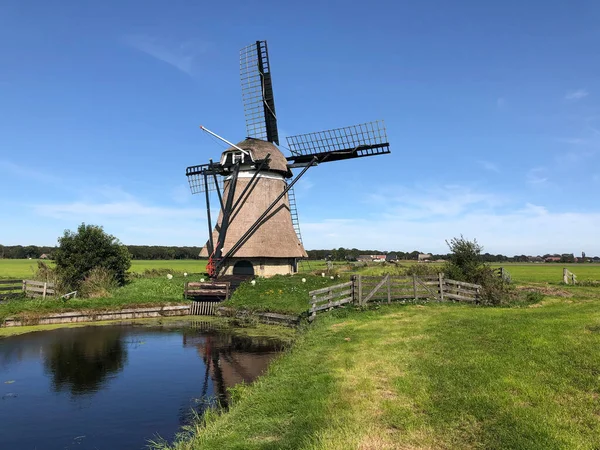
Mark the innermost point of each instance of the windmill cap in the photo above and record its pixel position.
(259, 150)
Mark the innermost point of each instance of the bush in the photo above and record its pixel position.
(98, 283)
(89, 248)
(422, 270)
(465, 264)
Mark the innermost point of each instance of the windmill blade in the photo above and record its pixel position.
(367, 139)
(257, 92)
(195, 176)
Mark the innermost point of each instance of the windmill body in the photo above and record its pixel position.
(255, 233)
(274, 247)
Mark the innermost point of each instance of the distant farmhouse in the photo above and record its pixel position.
(371, 258)
(424, 256)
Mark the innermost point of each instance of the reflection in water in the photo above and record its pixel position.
(142, 381)
(229, 359)
(82, 363)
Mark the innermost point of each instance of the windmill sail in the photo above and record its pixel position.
(257, 92)
(367, 139)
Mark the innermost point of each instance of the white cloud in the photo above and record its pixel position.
(488, 165)
(530, 229)
(426, 202)
(181, 55)
(577, 94)
(85, 211)
(537, 175)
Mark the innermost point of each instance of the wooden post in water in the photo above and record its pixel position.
(441, 280)
(415, 286)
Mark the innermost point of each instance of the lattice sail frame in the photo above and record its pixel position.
(257, 92)
(365, 139)
(195, 177)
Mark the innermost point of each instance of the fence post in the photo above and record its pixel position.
(415, 286)
(44, 294)
(389, 289)
(314, 307)
(24, 286)
(359, 290)
(565, 276)
(573, 278)
(441, 280)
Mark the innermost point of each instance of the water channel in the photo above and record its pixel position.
(117, 386)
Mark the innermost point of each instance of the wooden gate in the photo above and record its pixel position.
(364, 289)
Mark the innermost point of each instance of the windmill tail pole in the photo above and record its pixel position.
(224, 140)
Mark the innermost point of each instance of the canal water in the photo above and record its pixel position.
(117, 387)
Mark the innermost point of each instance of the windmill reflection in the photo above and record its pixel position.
(229, 359)
(82, 363)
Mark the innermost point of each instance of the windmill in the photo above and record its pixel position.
(257, 231)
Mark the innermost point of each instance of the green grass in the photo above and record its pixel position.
(24, 268)
(435, 376)
(283, 294)
(550, 272)
(139, 293)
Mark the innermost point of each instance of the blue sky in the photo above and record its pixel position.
(492, 112)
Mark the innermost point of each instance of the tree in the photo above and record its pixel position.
(464, 261)
(88, 248)
(465, 264)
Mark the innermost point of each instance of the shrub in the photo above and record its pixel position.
(98, 283)
(465, 264)
(88, 248)
(422, 270)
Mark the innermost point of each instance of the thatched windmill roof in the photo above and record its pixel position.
(259, 150)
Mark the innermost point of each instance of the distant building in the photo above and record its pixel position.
(391, 257)
(371, 258)
(44, 256)
(424, 256)
(552, 259)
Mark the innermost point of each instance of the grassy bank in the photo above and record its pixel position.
(283, 334)
(139, 293)
(435, 376)
(282, 294)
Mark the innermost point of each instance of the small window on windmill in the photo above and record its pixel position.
(238, 157)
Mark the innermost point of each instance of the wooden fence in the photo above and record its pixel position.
(10, 288)
(31, 288)
(331, 296)
(364, 289)
(38, 288)
(569, 277)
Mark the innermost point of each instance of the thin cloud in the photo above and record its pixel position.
(488, 165)
(85, 211)
(31, 173)
(537, 176)
(577, 94)
(181, 55)
(529, 229)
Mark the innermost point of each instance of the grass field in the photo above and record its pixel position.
(423, 377)
(520, 273)
(23, 268)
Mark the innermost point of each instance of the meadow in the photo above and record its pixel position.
(23, 268)
(425, 376)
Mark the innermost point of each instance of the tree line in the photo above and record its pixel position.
(161, 252)
(136, 251)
